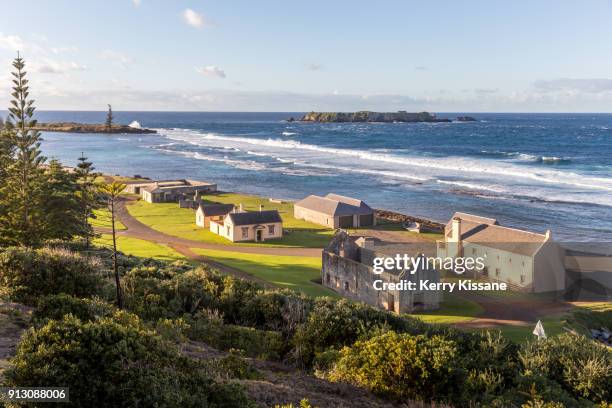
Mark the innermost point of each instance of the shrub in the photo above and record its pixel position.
(253, 342)
(108, 364)
(336, 323)
(235, 366)
(27, 274)
(155, 293)
(583, 367)
(401, 366)
(55, 307)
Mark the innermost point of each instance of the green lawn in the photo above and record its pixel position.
(553, 325)
(290, 272)
(180, 222)
(103, 220)
(453, 309)
(140, 248)
(386, 225)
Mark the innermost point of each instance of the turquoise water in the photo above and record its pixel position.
(534, 171)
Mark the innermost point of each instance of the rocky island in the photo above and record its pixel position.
(368, 116)
(73, 127)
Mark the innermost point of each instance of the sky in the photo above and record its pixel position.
(289, 56)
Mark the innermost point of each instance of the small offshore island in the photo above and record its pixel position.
(74, 127)
(382, 117)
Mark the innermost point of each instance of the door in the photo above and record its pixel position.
(346, 221)
(365, 220)
(258, 235)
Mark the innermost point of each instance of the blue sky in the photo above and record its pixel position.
(318, 55)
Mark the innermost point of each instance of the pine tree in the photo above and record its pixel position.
(62, 209)
(111, 193)
(109, 119)
(88, 196)
(23, 191)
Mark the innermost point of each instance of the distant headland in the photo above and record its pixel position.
(73, 127)
(385, 117)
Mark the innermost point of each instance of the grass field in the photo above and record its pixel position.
(180, 222)
(453, 309)
(291, 272)
(140, 248)
(553, 325)
(103, 220)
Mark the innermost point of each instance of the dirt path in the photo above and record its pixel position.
(14, 319)
(136, 229)
(512, 312)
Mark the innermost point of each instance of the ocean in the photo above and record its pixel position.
(530, 171)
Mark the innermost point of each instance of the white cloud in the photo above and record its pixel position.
(116, 57)
(136, 2)
(193, 18)
(49, 66)
(421, 68)
(11, 42)
(60, 50)
(211, 71)
(576, 85)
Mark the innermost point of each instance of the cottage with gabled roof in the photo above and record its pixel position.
(214, 212)
(526, 260)
(334, 211)
(255, 226)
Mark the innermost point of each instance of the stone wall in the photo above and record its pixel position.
(347, 269)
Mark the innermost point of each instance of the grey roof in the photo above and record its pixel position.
(213, 210)
(488, 232)
(255, 217)
(335, 205)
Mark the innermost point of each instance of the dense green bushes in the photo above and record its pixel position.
(108, 363)
(27, 274)
(264, 344)
(582, 367)
(401, 366)
(55, 307)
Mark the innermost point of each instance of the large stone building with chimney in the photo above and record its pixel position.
(348, 270)
(527, 261)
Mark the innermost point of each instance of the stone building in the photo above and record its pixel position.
(163, 191)
(348, 270)
(334, 211)
(525, 260)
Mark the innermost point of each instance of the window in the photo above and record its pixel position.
(473, 251)
(327, 277)
(497, 272)
(522, 278)
(228, 230)
(509, 260)
(271, 229)
(245, 232)
(346, 286)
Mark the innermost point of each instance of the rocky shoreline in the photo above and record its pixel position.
(73, 127)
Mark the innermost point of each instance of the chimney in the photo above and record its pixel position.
(456, 230)
(260, 207)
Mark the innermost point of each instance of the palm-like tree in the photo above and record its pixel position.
(111, 194)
